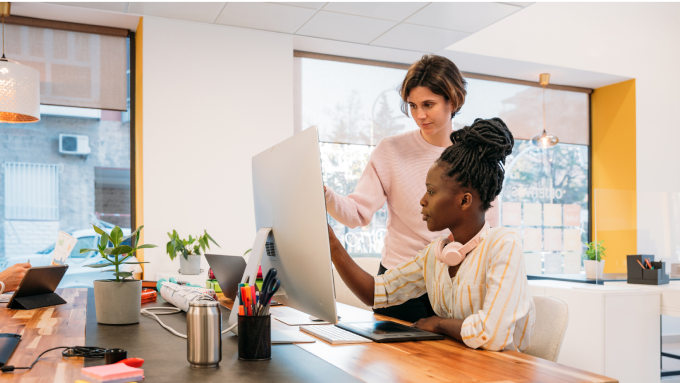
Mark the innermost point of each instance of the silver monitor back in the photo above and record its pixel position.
(289, 198)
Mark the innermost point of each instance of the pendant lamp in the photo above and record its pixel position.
(544, 140)
(19, 86)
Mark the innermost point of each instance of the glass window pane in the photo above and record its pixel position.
(65, 172)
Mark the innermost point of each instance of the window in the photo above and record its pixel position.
(545, 196)
(72, 168)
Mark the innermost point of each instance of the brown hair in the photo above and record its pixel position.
(440, 75)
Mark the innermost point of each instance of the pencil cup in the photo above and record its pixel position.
(254, 337)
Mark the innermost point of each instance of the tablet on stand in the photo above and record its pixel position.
(36, 290)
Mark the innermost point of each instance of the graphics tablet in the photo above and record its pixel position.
(37, 288)
(386, 331)
(228, 270)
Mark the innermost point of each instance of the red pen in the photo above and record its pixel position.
(641, 265)
(648, 264)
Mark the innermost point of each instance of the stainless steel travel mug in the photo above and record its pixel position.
(204, 334)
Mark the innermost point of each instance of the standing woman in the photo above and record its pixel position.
(433, 91)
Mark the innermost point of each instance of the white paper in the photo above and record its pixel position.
(552, 239)
(512, 214)
(572, 240)
(62, 250)
(532, 214)
(533, 263)
(552, 214)
(532, 239)
(553, 263)
(572, 262)
(572, 215)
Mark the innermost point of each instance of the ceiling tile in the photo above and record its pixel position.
(201, 12)
(305, 5)
(418, 38)
(265, 16)
(114, 7)
(384, 11)
(462, 17)
(336, 26)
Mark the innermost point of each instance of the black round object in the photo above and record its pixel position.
(114, 355)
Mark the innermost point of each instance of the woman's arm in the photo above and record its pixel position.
(357, 279)
(357, 208)
(450, 327)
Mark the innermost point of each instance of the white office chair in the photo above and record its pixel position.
(552, 316)
(343, 294)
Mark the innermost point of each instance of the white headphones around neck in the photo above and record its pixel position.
(454, 253)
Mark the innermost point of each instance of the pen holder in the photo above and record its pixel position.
(639, 276)
(254, 337)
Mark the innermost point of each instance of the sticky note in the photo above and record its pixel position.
(533, 263)
(512, 213)
(553, 263)
(552, 214)
(572, 262)
(65, 244)
(111, 372)
(532, 239)
(572, 240)
(572, 215)
(552, 239)
(532, 214)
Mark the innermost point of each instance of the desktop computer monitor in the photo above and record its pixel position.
(289, 198)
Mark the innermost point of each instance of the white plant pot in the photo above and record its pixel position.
(118, 302)
(594, 269)
(191, 266)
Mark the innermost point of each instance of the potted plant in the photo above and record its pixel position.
(190, 249)
(117, 301)
(593, 262)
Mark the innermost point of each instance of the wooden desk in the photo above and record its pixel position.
(42, 329)
(432, 361)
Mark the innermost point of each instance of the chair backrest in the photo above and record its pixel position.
(343, 294)
(552, 316)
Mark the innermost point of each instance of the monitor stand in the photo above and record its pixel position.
(249, 276)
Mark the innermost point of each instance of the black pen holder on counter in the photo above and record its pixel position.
(254, 337)
(639, 276)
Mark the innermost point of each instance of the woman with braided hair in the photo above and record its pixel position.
(433, 91)
(474, 277)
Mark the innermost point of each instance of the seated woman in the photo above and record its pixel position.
(475, 278)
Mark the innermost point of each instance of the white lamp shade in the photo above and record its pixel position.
(19, 93)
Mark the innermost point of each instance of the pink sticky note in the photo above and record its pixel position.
(532, 239)
(572, 215)
(512, 213)
(111, 372)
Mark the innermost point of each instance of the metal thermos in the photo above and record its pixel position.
(204, 334)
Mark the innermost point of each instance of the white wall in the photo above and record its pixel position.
(636, 40)
(213, 97)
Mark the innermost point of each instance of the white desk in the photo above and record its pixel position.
(612, 330)
(670, 295)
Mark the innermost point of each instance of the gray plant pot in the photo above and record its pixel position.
(118, 302)
(192, 266)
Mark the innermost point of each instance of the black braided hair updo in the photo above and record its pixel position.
(477, 156)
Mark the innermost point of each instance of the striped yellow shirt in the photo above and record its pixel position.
(489, 291)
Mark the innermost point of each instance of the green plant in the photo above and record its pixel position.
(117, 251)
(594, 251)
(187, 247)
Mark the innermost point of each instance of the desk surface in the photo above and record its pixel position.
(440, 361)
(436, 361)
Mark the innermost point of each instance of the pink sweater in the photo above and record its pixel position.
(395, 173)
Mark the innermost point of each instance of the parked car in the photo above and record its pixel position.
(77, 274)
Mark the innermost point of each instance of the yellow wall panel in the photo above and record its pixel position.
(614, 172)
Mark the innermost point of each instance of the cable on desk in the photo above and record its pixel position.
(171, 310)
(69, 352)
